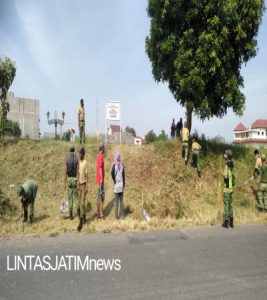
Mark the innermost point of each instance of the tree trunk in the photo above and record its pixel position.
(189, 118)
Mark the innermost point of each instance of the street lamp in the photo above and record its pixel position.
(55, 121)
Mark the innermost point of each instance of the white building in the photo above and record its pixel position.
(139, 140)
(114, 129)
(25, 111)
(255, 136)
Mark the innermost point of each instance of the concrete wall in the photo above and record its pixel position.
(26, 112)
(255, 145)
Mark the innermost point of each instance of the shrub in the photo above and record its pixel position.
(12, 129)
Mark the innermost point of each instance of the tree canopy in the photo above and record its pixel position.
(198, 47)
(152, 137)
(7, 74)
(130, 130)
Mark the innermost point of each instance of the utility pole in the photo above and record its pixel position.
(97, 128)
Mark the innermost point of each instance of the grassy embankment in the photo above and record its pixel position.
(172, 194)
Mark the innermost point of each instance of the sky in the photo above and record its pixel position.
(66, 50)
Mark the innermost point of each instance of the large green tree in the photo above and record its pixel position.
(7, 74)
(198, 47)
(130, 130)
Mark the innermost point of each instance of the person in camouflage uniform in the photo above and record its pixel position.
(28, 192)
(185, 139)
(262, 180)
(195, 156)
(228, 176)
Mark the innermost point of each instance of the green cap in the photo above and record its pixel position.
(263, 157)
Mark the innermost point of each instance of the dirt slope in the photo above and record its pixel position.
(155, 174)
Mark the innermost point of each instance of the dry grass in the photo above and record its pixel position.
(156, 175)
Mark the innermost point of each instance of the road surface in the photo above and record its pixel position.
(198, 263)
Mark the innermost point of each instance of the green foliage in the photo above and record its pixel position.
(130, 130)
(163, 136)
(7, 74)
(198, 47)
(209, 147)
(12, 129)
(151, 137)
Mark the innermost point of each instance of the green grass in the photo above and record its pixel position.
(156, 176)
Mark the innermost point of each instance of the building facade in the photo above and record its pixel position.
(25, 111)
(255, 136)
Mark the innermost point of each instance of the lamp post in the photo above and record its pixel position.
(55, 121)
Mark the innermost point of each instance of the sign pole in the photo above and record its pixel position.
(113, 113)
(106, 123)
(120, 125)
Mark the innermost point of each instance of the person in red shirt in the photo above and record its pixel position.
(100, 177)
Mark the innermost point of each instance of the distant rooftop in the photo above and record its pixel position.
(240, 127)
(260, 123)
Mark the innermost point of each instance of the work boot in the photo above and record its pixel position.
(84, 219)
(232, 222)
(225, 224)
(25, 216)
(199, 173)
(31, 219)
(71, 215)
(78, 212)
(185, 162)
(79, 228)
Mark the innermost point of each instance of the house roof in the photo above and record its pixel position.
(240, 127)
(260, 123)
(115, 128)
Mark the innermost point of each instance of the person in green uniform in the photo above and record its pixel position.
(71, 181)
(28, 192)
(262, 180)
(228, 176)
(81, 122)
(195, 155)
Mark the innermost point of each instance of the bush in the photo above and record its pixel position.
(12, 129)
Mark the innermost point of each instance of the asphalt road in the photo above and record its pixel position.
(200, 263)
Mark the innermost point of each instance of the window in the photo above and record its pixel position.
(258, 133)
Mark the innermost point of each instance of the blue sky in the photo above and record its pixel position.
(95, 49)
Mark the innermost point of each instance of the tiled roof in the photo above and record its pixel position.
(260, 123)
(115, 128)
(240, 127)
